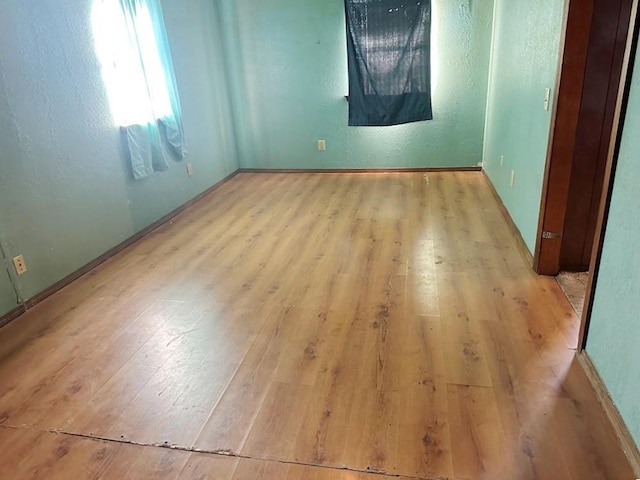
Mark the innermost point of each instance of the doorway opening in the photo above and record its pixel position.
(600, 38)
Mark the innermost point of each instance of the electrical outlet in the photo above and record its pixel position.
(513, 178)
(189, 169)
(19, 264)
(480, 164)
(501, 160)
(322, 145)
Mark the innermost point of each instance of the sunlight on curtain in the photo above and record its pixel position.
(136, 63)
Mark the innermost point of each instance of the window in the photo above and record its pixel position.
(131, 44)
(388, 45)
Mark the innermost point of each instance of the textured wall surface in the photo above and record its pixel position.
(8, 149)
(526, 46)
(291, 55)
(615, 327)
(66, 192)
(7, 295)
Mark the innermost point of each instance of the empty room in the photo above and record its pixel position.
(319, 239)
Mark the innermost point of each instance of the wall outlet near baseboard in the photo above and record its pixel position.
(189, 169)
(322, 145)
(513, 178)
(19, 264)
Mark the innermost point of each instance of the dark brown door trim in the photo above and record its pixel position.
(595, 40)
(571, 66)
(606, 48)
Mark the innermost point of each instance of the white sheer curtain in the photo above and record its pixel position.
(136, 62)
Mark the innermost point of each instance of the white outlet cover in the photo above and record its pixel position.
(19, 264)
(322, 145)
(513, 177)
(501, 160)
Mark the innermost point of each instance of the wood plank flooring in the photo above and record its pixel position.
(309, 326)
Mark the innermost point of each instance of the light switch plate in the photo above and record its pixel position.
(547, 98)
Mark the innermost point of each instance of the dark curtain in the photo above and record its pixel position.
(388, 46)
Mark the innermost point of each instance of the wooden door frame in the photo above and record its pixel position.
(610, 170)
(559, 171)
(577, 59)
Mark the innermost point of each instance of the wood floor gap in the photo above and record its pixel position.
(218, 452)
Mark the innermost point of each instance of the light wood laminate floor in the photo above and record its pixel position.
(308, 326)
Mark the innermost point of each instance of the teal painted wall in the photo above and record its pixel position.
(615, 325)
(526, 46)
(8, 149)
(7, 294)
(290, 59)
(66, 193)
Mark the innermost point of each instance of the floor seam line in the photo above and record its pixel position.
(217, 452)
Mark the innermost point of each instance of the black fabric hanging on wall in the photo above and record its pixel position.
(388, 47)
